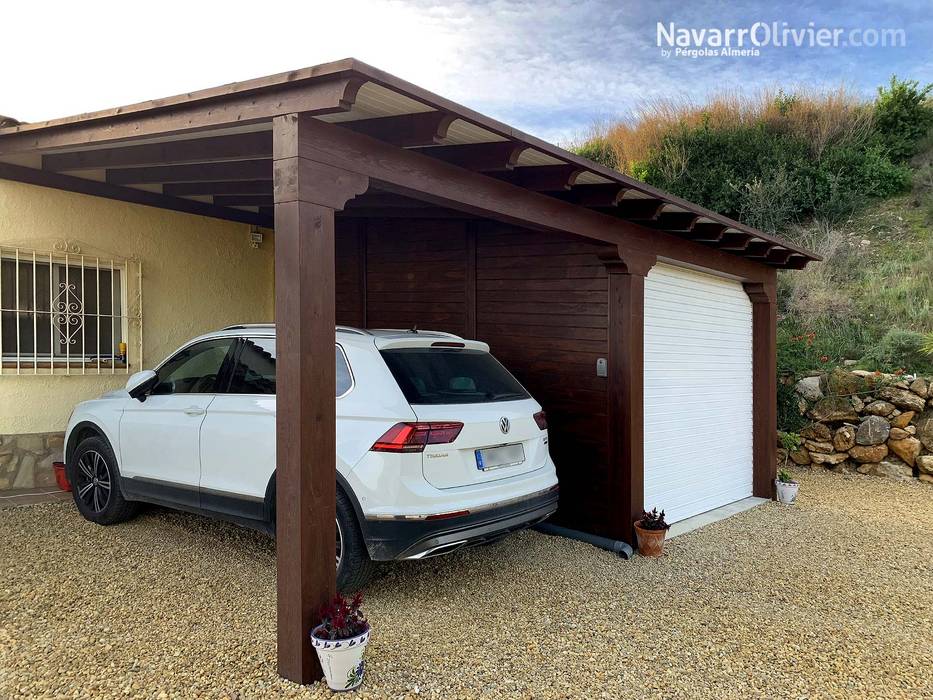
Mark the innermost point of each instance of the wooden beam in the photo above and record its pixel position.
(542, 178)
(758, 249)
(675, 221)
(778, 256)
(230, 170)
(251, 145)
(219, 107)
(69, 183)
(406, 130)
(306, 426)
(481, 157)
(243, 200)
(187, 189)
(734, 241)
(413, 175)
(602, 196)
(639, 209)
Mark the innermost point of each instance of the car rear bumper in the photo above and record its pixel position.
(388, 539)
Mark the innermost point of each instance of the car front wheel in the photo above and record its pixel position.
(95, 485)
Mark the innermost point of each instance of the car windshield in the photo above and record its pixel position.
(451, 376)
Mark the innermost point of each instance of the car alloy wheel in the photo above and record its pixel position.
(93, 483)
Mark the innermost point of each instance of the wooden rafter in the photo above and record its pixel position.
(69, 183)
(407, 130)
(183, 189)
(543, 178)
(639, 209)
(598, 196)
(230, 170)
(482, 157)
(256, 144)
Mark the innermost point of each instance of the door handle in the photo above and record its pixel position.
(194, 411)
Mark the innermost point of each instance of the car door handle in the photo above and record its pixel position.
(194, 411)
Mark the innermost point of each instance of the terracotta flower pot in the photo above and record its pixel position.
(650, 542)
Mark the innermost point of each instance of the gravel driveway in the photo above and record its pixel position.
(832, 598)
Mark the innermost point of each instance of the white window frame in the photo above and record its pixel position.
(66, 315)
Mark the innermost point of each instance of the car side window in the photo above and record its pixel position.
(344, 377)
(254, 372)
(194, 370)
(255, 368)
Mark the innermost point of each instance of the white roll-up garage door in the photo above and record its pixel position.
(698, 392)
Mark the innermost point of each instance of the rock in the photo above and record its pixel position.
(843, 383)
(902, 398)
(862, 373)
(868, 453)
(844, 439)
(892, 469)
(925, 464)
(809, 388)
(26, 476)
(30, 443)
(800, 456)
(901, 420)
(926, 478)
(911, 429)
(833, 408)
(880, 408)
(831, 460)
(874, 430)
(849, 363)
(857, 403)
(814, 446)
(802, 406)
(920, 387)
(907, 449)
(867, 468)
(817, 431)
(781, 455)
(924, 424)
(898, 434)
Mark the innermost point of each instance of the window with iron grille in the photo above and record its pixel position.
(62, 312)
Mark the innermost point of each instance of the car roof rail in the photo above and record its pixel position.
(240, 326)
(351, 329)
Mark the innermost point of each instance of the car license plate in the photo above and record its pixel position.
(498, 457)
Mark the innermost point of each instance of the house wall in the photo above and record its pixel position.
(198, 274)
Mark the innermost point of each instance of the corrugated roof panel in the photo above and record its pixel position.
(532, 156)
(462, 132)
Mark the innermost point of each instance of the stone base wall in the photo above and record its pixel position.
(866, 422)
(26, 460)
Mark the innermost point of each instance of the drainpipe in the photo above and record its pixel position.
(616, 546)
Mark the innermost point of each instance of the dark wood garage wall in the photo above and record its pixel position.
(539, 300)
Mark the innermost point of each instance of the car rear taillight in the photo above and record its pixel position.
(412, 437)
(541, 420)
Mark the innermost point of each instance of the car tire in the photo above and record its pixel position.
(95, 483)
(355, 568)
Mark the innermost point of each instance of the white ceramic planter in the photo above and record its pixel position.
(341, 659)
(786, 492)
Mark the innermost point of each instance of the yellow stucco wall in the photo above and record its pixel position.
(198, 274)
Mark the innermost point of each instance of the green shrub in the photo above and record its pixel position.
(598, 150)
(788, 414)
(903, 116)
(899, 350)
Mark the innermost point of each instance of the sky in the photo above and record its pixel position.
(553, 69)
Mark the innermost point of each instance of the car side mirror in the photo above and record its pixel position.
(141, 383)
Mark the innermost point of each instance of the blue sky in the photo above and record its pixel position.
(552, 69)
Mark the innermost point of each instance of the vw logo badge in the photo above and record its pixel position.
(504, 425)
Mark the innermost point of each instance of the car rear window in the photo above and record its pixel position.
(451, 376)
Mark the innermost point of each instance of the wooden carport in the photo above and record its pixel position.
(328, 154)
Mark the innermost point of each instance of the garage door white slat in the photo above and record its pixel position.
(698, 392)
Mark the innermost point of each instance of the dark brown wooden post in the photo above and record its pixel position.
(764, 384)
(306, 196)
(626, 270)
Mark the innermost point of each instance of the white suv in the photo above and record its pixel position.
(438, 445)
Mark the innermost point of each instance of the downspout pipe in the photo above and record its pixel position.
(615, 546)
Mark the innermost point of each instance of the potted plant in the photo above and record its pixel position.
(340, 640)
(786, 487)
(651, 530)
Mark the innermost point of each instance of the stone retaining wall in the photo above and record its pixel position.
(26, 460)
(867, 422)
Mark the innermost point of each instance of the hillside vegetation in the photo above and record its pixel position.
(848, 178)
